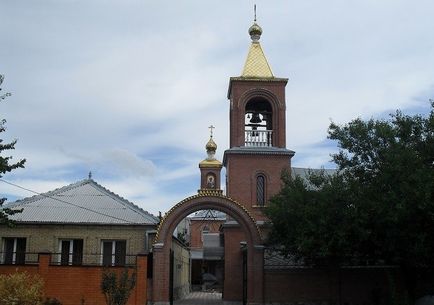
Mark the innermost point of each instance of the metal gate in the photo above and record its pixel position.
(245, 277)
(171, 277)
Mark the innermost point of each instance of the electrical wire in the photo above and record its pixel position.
(60, 200)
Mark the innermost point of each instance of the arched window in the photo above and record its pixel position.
(260, 190)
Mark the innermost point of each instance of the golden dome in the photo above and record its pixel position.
(211, 146)
(255, 32)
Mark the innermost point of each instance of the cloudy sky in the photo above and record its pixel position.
(126, 89)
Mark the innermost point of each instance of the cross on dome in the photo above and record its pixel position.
(211, 129)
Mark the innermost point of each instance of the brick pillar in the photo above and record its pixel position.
(44, 259)
(255, 274)
(142, 277)
(160, 282)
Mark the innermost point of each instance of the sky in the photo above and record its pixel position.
(127, 89)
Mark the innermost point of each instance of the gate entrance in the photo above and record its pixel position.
(208, 200)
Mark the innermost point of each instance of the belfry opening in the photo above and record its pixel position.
(258, 123)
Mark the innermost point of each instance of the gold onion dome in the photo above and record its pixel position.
(255, 32)
(211, 146)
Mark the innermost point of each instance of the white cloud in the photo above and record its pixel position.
(130, 93)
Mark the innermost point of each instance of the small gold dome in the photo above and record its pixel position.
(255, 32)
(211, 146)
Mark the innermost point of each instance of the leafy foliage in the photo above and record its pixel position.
(5, 165)
(21, 288)
(312, 218)
(117, 287)
(390, 163)
(378, 208)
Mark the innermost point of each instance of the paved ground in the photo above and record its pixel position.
(205, 298)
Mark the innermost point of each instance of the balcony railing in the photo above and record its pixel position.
(258, 138)
(29, 258)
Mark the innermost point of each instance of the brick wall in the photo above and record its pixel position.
(241, 181)
(181, 270)
(80, 285)
(196, 229)
(355, 286)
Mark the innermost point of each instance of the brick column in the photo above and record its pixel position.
(160, 282)
(255, 274)
(141, 279)
(44, 259)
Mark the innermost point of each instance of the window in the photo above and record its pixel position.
(71, 251)
(15, 251)
(260, 190)
(205, 230)
(114, 252)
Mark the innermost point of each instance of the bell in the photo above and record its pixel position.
(255, 118)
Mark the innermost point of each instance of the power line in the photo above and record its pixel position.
(60, 200)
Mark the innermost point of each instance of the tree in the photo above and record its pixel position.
(117, 287)
(6, 165)
(389, 165)
(378, 208)
(21, 288)
(312, 220)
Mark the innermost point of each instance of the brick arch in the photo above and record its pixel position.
(215, 201)
(260, 92)
(207, 201)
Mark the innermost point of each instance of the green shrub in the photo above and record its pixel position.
(20, 288)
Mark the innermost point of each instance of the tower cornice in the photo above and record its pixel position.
(254, 79)
(249, 151)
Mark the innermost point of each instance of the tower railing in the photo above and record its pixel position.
(258, 138)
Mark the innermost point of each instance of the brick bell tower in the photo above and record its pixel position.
(257, 153)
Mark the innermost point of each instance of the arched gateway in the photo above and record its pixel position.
(213, 200)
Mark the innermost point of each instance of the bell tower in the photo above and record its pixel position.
(257, 153)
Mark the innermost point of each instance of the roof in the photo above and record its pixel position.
(208, 215)
(303, 172)
(210, 163)
(256, 65)
(83, 202)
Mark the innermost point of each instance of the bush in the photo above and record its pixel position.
(117, 287)
(20, 288)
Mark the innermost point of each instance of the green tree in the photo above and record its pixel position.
(117, 287)
(6, 165)
(389, 166)
(21, 288)
(313, 220)
(378, 208)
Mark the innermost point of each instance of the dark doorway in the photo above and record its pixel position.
(244, 276)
